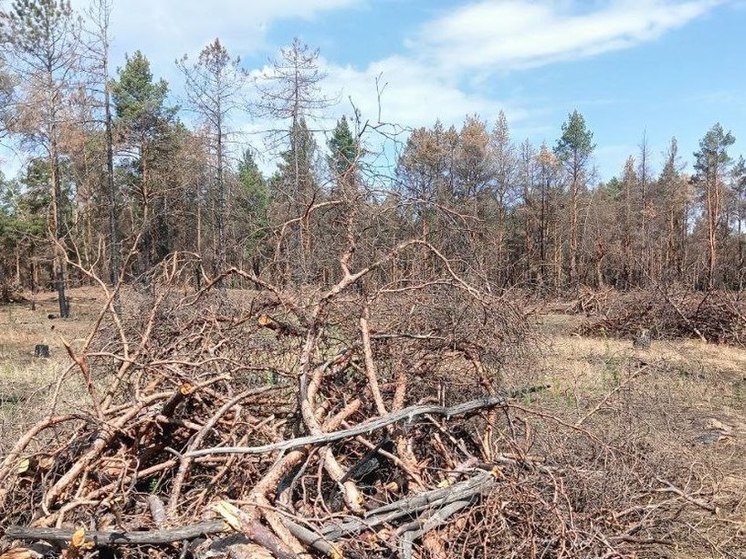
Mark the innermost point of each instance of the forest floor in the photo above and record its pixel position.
(27, 382)
(685, 399)
(688, 408)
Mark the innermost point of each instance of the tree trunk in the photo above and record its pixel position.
(713, 210)
(220, 260)
(58, 227)
(573, 277)
(111, 187)
(18, 264)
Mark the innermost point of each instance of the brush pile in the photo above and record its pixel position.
(10, 292)
(337, 423)
(717, 317)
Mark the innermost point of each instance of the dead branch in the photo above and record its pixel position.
(367, 427)
(113, 537)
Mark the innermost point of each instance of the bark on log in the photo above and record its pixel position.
(440, 503)
(152, 537)
(284, 328)
(312, 539)
(183, 392)
(436, 498)
(157, 510)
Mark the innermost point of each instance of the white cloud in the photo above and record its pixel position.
(429, 80)
(440, 71)
(507, 34)
(411, 94)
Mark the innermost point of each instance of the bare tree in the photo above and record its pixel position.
(528, 181)
(6, 97)
(675, 205)
(505, 163)
(549, 235)
(214, 84)
(629, 180)
(98, 45)
(646, 209)
(291, 91)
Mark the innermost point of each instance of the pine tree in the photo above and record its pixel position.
(295, 188)
(290, 92)
(712, 163)
(344, 153)
(252, 205)
(144, 124)
(739, 192)
(214, 85)
(574, 150)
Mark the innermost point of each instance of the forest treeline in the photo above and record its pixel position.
(117, 176)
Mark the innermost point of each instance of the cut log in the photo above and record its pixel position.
(111, 537)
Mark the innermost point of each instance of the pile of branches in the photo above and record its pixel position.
(589, 301)
(714, 316)
(342, 422)
(10, 292)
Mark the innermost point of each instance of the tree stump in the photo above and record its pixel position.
(642, 339)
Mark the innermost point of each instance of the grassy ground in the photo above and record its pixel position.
(687, 406)
(705, 378)
(27, 382)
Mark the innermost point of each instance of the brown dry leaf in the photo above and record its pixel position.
(78, 539)
(434, 544)
(229, 513)
(18, 553)
(391, 486)
(78, 544)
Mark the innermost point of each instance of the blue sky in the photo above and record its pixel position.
(632, 67)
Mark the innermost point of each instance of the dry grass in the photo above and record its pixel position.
(688, 381)
(590, 363)
(22, 328)
(688, 410)
(27, 383)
